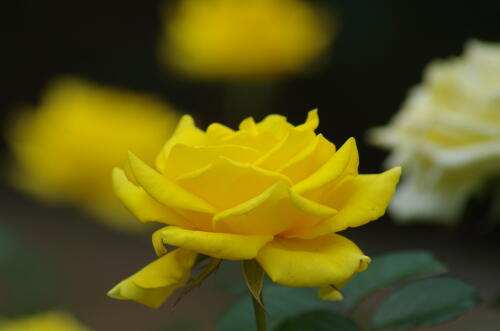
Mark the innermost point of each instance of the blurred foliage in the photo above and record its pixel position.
(425, 302)
(497, 301)
(388, 269)
(318, 320)
(281, 303)
(422, 302)
(6, 245)
(27, 284)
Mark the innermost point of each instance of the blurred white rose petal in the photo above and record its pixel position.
(446, 136)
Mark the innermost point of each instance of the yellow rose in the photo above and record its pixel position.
(65, 149)
(447, 135)
(50, 321)
(269, 191)
(243, 38)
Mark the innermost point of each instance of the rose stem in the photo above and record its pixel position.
(260, 314)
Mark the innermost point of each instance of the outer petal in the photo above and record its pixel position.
(330, 259)
(225, 183)
(184, 159)
(270, 132)
(311, 122)
(261, 141)
(153, 284)
(287, 148)
(275, 123)
(186, 133)
(272, 212)
(165, 191)
(219, 245)
(425, 195)
(217, 132)
(359, 200)
(309, 160)
(249, 125)
(344, 161)
(329, 293)
(145, 208)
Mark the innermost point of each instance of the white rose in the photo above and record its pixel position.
(447, 135)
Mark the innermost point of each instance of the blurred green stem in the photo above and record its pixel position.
(260, 314)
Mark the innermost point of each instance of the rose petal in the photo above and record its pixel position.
(329, 293)
(143, 206)
(261, 141)
(312, 121)
(274, 211)
(330, 259)
(359, 200)
(165, 191)
(262, 136)
(274, 123)
(225, 183)
(344, 161)
(153, 284)
(219, 245)
(294, 142)
(425, 195)
(186, 133)
(216, 133)
(309, 160)
(184, 159)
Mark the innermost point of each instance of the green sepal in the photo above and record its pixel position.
(254, 278)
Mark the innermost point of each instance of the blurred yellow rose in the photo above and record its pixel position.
(50, 321)
(65, 149)
(269, 191)
(447, 135)
(243, 39)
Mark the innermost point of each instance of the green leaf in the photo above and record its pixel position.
(281, 303)
(388, 269)
(425, 302)
(318, 320)
(254, 277)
